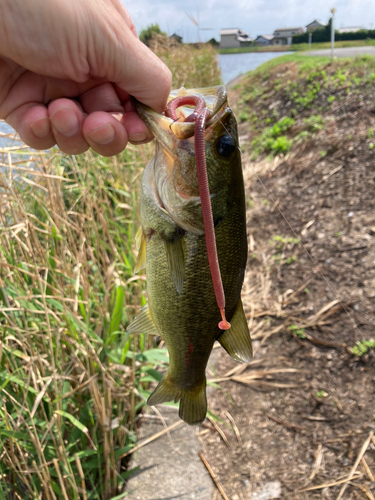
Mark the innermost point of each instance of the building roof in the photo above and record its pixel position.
(288, 29)
(229, 31)
(266, 37)
(176, 36)
(350, 29)
(316, 21)
(241, 35)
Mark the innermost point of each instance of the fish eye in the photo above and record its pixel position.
(225, 145)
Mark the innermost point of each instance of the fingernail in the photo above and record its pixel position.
(138, 137)
(103, 135)
(67, 124)
(41, 128)
(118, 116)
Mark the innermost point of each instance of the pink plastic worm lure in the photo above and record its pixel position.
(200, 116)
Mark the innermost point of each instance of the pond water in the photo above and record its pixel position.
(5, 129)
(233, 65)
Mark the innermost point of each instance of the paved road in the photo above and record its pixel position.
(343, 52)
(169, 468)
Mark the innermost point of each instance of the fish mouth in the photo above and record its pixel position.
(166, 130)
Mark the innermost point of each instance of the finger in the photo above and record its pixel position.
(101, 98)
(126, 16)
(32, 123)
(67, 119)
(136, 129)
(127, 62)
(105, 98)
(142, 74)
(104, 133)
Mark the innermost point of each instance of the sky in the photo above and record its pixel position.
(256, 17)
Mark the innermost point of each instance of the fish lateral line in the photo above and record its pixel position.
(199, 116)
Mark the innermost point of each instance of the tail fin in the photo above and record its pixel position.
(193, 403)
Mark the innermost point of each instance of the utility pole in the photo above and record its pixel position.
(332, 32)
(310, 38)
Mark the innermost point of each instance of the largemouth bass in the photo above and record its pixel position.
(182, 307)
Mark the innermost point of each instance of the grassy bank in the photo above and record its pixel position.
(243, 50)
(303, 88)
(72, 381)
(308, 144)
(298, 47)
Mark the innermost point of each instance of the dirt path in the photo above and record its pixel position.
(300, 413)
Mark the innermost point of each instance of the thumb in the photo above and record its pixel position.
(138, 71)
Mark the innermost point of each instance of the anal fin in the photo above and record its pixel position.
(193, 402)
(165, 391)
(176, 261)
(140, 243)
(236, 341)
(143, 323)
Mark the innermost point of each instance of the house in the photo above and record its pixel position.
(283, 36)
(350, 29)
(264, 40)
(315, 25)
(175, 38)
(234, 37)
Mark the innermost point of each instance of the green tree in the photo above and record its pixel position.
(146, 35)
(213, 42)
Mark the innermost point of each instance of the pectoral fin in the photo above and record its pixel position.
(143, 323)
(138, 237)
(176, 261)
(140, 243)
(236, 341)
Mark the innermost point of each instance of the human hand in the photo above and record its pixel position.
(67, 69)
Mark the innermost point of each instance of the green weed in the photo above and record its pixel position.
(314, 123)
(282, 241)
(243, 116)
(363, 347)
(272, 140)
(298, 332)
(290, 260)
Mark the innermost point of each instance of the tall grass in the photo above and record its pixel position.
(191, 66)
(72, 381)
